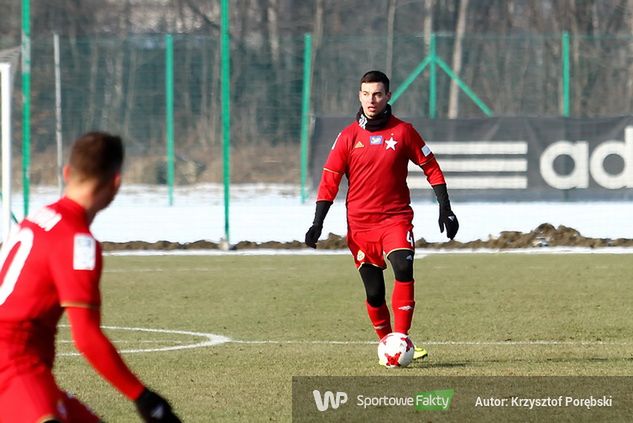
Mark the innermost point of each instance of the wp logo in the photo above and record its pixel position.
(329, 399)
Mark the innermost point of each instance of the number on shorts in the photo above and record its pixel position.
(25, 238)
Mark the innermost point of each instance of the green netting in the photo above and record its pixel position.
(602, 76)
(118, 84)
(513, 75)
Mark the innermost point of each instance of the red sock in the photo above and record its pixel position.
(403, 303)
(379, 317)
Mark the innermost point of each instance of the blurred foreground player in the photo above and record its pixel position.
(374, 154)
(52, 263)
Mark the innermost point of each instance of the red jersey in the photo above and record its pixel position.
(51, 261)
(376, 166)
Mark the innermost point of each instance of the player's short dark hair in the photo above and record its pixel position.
(97, 155)
(376, 76)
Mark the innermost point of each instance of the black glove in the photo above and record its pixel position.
(447, 218)
(154, 408)
(313, 234)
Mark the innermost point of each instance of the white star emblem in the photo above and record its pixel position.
(391, 143)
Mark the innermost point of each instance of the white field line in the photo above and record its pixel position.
(253, 252)
(136, 341)
(208, 340)
(457, 343)
(211, 339)
(419, 253)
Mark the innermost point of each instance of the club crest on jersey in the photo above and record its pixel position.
(360, 256)
(391, 144)
(375, 139)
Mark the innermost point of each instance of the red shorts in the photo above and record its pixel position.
(371, 246)
(33, 396)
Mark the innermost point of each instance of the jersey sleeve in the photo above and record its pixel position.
(334, 169)
(76, 268)
(99, 351)
(421, 154)
(433, 173)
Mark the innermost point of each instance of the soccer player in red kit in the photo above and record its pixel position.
(374, 153)
(50, 264)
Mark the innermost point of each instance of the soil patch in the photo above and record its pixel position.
(545, 235)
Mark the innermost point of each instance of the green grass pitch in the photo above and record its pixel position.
(477, 314)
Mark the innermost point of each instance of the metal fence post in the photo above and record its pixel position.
(305, 113)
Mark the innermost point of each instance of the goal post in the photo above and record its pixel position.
(9, 60)
(5, 111)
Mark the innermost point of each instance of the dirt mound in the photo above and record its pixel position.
(159, 245)
(545, 235)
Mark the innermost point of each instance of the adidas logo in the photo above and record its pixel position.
(405, 308)
(158, 412)
(359, 145)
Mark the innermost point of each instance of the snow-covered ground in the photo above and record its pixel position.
(274, 213)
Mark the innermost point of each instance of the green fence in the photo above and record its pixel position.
(119, 84)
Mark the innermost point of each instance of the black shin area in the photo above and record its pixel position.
(402, 264)
(374, 282)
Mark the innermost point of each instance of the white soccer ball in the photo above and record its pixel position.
(395, 350)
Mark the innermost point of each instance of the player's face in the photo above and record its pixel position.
(373, 98)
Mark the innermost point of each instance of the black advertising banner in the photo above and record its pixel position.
(515, 158)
